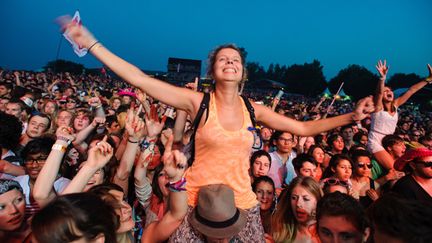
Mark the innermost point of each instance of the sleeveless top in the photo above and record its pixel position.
(384, 123)
(222, 157)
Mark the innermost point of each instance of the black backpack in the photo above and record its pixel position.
(189, 149)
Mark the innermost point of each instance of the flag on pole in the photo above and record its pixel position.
(79, 50)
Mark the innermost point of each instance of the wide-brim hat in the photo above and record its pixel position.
(410, 155)
(216, 215)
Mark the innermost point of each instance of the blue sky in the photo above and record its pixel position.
(146, 33)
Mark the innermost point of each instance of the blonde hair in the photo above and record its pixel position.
(283, 223)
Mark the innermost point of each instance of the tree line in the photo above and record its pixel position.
(306, 79)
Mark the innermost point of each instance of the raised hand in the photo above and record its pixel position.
(193, 86)
(77, 32)
(94, 102)
(175, 162)
(99, 155)
(382, 68)
(363, 108)
(153, 125)
(141, 96)
(135, 125)
(98, 121)
(66, 132)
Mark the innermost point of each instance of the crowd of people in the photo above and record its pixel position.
(92, 158)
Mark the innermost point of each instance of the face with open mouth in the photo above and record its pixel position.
(303, 204)
(228, 65)
(388, 94)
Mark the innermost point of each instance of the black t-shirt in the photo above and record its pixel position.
(408, 188)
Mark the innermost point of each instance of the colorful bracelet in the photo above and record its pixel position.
(148, 143)
(178, 186)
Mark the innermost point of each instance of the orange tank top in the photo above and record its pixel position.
(222, 157)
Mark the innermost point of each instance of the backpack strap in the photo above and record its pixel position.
(258, 142)
(203, 107)
(251, 111)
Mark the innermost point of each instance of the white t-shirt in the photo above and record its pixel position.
(59, 185)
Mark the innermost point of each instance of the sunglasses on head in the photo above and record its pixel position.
(362, 165)
(334, 182)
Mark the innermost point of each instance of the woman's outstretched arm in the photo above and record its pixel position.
(311, 128)
(413, 89)
(169, 94)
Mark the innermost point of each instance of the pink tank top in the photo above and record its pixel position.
(222, 157)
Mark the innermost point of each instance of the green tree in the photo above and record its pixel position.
(307, 79)
(279, 72)
(402, 80)
(64, 66)
(358, 81)
(255, 71)
(270, 72)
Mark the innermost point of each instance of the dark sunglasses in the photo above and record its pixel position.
(424, 163)
(362, 165)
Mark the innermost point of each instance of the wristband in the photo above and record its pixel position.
(177, 186)
(67, 140)
(130, 141)
(59, 147)
(148, 144)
